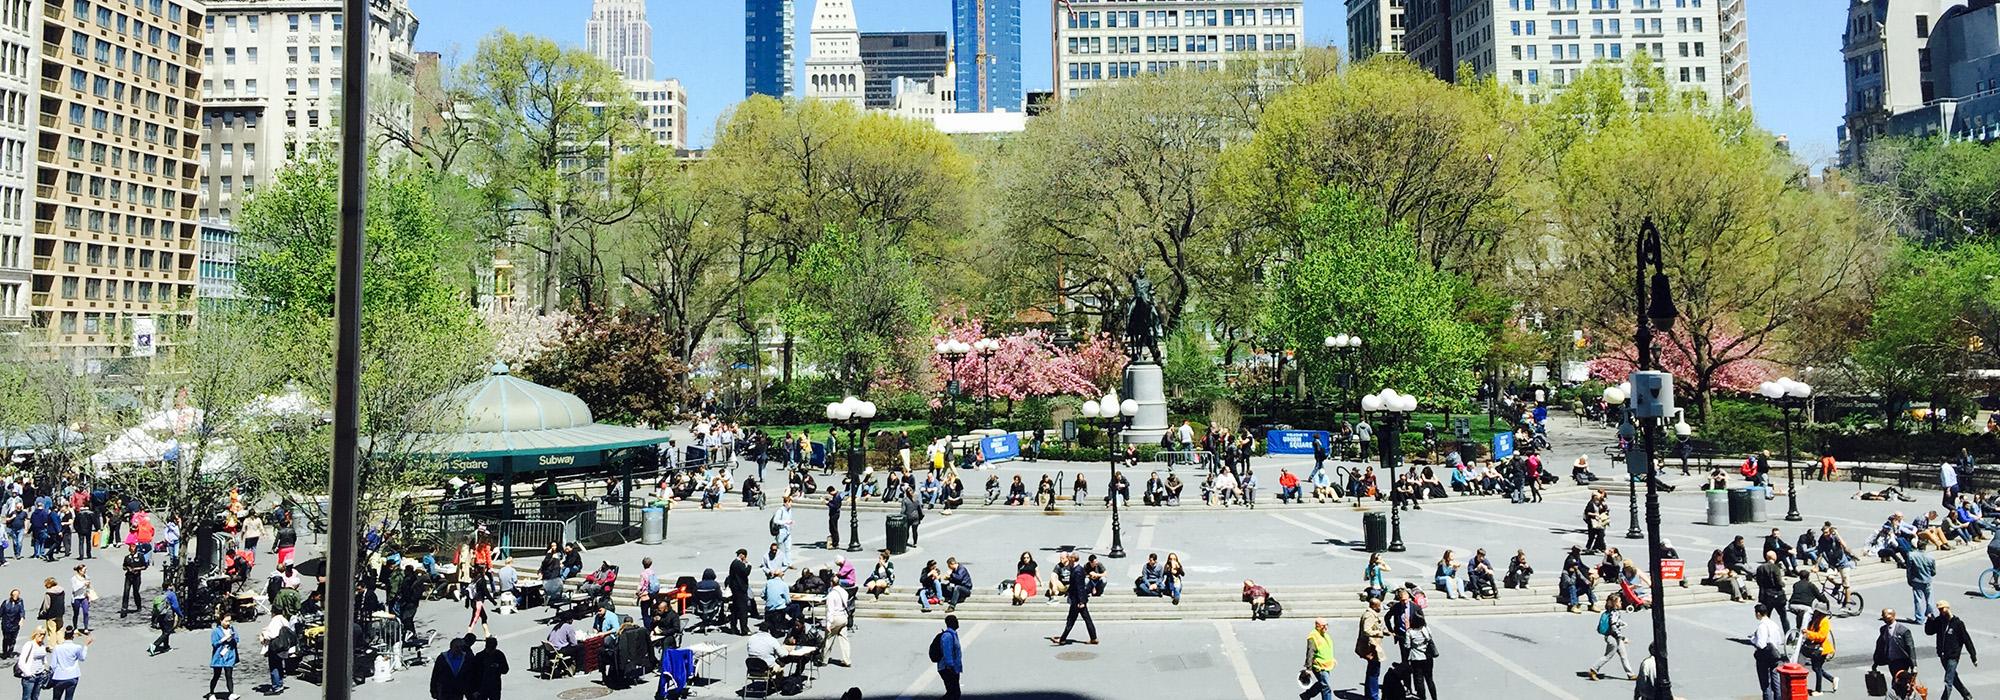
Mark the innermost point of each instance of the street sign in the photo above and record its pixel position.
(1000, 448)
(1636, 464)
(1294, 442)
(1503, 445)
(1672, 569)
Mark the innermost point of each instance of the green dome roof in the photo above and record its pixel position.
(504, 403)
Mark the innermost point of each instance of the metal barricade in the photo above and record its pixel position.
(1174, 458)
(534, 536)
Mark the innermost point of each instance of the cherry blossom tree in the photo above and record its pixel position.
(1724, 360)
(1027, 364)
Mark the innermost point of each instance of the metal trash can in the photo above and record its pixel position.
(1375, 531)
(1740, 500)
(653, 526)
(1718, 507)
(898, 536)
(1760, 496)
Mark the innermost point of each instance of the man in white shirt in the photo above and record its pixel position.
(837, 649)
(1767, 643)
(274, 652)
(1948, 481)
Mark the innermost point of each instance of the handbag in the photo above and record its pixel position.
(1878, 685)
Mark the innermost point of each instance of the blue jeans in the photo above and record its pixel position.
(277, 673)
(1372, 685)
(1325, 685)
(80, 611)
(31, 688)
(14, 534)
(63, 690)
(1174, 589)
(41, 547)
(1922, 603)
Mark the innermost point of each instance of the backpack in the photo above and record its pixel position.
(937, 648)
(774, 525)
(1604, 624)
(1749, 468)
(285, 642)
(1272, 608)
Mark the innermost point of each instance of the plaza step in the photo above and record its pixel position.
(1211, 602)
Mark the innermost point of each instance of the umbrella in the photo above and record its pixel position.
(315, 567)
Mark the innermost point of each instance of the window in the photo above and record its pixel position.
(253, 23)
(1923, 26)
(313, 51)
(294, 21)
(337, 22)
(291, 54)
(292, 86)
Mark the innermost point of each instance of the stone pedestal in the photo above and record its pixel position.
(1146, 384)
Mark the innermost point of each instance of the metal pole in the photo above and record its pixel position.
(337, 682)
(1643, 345)
(856, 461)
(1392, 455)
(1111, 490)
(1632, 494)
(1791, 472)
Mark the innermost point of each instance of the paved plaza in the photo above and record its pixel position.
(1522, 646)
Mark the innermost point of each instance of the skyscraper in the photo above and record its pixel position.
(114, 212)
(887, 56)
(986, 53)
(619, 35)
(833, 67)
(767, 47)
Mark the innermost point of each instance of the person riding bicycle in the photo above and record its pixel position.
(1993, 552)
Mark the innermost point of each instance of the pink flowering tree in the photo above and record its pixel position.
(1027, 365)
(1722, 360)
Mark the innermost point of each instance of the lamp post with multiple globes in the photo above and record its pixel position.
(1789, 395)
(1114, 414)
(853, 415)
(952, 350)
(1345, 347)
(1395, 409)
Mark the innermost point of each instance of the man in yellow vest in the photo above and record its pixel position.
(1319, 662)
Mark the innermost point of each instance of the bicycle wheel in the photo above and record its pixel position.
(1851, 605)
(1989, 583)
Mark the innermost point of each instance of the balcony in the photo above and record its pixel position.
(45, 227)
(45, 192)
(45, 262)
(48, 156)
(52, 10)
(38, 299)
(48, 121)
(51, 86)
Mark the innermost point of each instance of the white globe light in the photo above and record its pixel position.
(1329, 342)
(839, 411)
(832, 411)
(1128, 407)
(1354, 341)
(1801, 389)
(1343, 340)
(867, 410)
(1683, 429)
(1090, 409)
(1110, 402)
(941, 347)
(1406, 403)
(1371, 403)
(1614, 395)
(1771, 390)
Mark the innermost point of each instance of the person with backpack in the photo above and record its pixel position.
(166, 618)
(950, 657)
(1611, 626)
(913, 515)
(1368, 645)
(280, 639)
(1423, 659)
(781, 527)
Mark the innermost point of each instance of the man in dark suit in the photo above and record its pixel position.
(1079, 600)
(85, 525)
(739, 593)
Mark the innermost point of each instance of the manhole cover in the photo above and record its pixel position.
(1075, 656)
(584, 693)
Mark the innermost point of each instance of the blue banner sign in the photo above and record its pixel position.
(1503, 445)
(1000, 448)
(1294, 442)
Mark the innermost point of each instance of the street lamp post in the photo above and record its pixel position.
(952, 350)
(986, 347)
(1395, 409)
(1345, 346)
(1788, 394)
(1616, 395)
(1114, 413)
(853, 415)
(1653, 310)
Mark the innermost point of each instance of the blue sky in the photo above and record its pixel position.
(1794, 52)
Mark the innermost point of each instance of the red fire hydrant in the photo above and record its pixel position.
(1793, 678)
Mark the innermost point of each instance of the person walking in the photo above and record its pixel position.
(81, 594)
(66, 665)
(1368, 645)
(1817, 648)
(86, 525)
(278, 639)
(1770, 578)
(1611, 626)
(913, 515)
(166, 618)
(12, 611)
(949, 656)
(1079, 601)
(1895, 646)
(1596, 517)
(52, 603)
(222, 656)
(838, 651)
(1918, 570)
(1319, 662)
(1766, 645)
(1423, 659)
(1952, 640)
(454, 675)
(492, 664)
(781, 527)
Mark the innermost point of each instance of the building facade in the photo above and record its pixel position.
(272, 85)
(1374, 26)
(215, 278)
(1099, 41)
(619, 35)
(767, 48)
(662, 110)
(115, 237)
(986, 53)
(886, 56)
(20, 25)
(1539, 46)
(833, 66)
(1911, 72)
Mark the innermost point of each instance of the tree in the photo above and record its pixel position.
(549, 120)
(858, 304)
(1357, 275)
(622, 363)
(1936, 316)
(1749, 245)
(1944, 190)
(47, 408)
(686, 264)
(1028, 364)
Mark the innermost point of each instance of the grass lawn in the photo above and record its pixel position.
(819, 430)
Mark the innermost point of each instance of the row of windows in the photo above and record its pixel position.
(228, 151)
(1126, 69)
(116, 190)
(1202, 43)
(14, 15)
(116, 156)
(95, 323)
(137, 28)
(1574, 52)
(116, 257)
(14, 157)
(106, 87)
(1599, 5)
(13, 108)
(77, 218)
(1563, 76)
(1188, 18)
(253, 21)
(1601, 27)
(15, 60)
(81, 46)
(159, 8)
(114, 123)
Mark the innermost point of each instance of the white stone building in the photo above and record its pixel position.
(833, 66)
(20, 24)
(662, 110)
(1099, 40)
(1374, 26)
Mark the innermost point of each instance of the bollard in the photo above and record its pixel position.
(1792, 680)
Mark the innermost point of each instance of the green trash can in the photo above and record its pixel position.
(898, 536)
(1375, 531)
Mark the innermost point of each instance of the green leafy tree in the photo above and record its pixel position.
(1360, 276)
(859, 306)
(623, 364)
(1945, 190)
(1935, 317)
(48, 408)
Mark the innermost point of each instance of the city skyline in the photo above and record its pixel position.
(702, 45)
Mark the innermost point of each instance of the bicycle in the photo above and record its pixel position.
(1846, 602)
(1989, 583)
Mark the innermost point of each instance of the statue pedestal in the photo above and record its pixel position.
(1146, 384)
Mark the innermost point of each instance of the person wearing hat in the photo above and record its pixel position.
(1952, 640)
(1895, 647)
